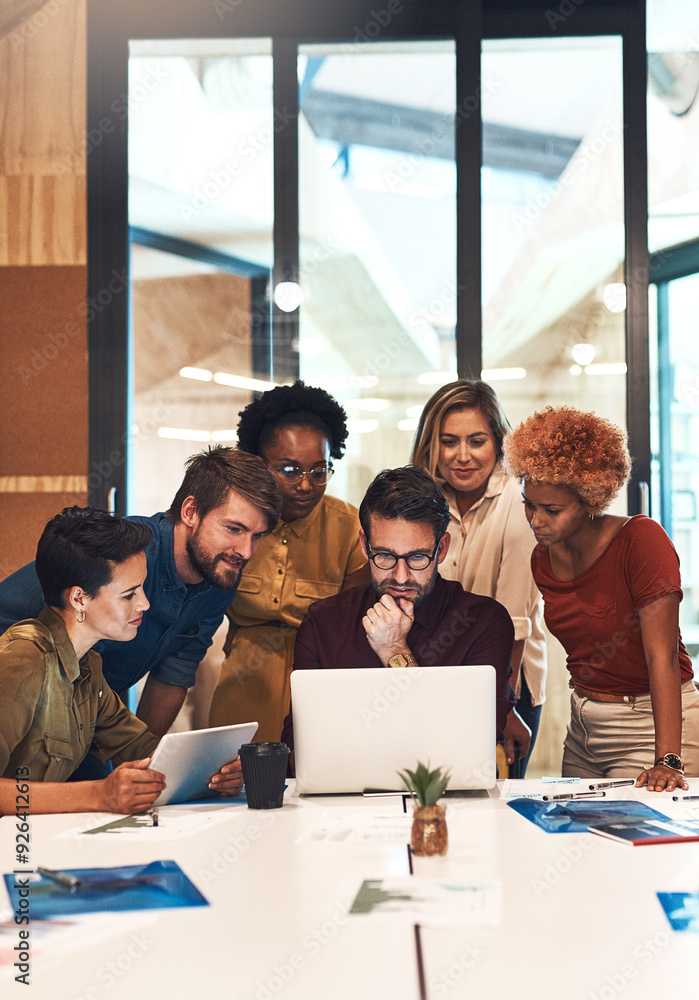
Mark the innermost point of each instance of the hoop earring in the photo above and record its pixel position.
(79, 619)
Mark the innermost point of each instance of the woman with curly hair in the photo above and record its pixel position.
(459, 442)
(612, 590)
(313, 553)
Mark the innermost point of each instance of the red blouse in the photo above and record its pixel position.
(595, 616)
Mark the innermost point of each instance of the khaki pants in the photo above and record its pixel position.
(617, 740)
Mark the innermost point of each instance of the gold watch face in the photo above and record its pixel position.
(398, 661)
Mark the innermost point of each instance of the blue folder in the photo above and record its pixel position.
(158, 885)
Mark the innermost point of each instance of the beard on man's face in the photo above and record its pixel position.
(416, 593)
(219, 570)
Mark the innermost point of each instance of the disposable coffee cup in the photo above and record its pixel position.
(264, 773)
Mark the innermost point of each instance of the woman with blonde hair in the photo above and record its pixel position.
(611, 587)
(459, 442)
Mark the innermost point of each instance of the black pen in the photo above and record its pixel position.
(573, 795)
(685, 798)
(613, 784)
(71, 882)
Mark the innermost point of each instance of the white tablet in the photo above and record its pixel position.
(189, 760)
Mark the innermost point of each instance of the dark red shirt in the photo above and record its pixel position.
(452, 628)
(595, 616)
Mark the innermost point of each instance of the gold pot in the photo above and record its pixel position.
(429, 833)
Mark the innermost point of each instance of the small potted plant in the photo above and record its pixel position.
(429, 832)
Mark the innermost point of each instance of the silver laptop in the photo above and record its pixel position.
(354, 729)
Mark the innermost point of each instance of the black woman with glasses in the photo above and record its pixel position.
(313, 553)
(408, 615)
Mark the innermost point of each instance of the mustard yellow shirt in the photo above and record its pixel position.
(54, 708)
(299, 562)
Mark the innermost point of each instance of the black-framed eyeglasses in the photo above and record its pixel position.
(293, 474)
(413, 560)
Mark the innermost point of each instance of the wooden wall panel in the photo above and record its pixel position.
(43, 407)
(43, 274)
(43, 93)
(23, 516)
(43, 220)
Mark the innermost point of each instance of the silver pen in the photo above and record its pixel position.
(66, 881)
(573, 795)
(613, 784)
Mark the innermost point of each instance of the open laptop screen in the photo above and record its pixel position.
(354, 729)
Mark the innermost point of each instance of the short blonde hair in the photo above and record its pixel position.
(571, 449)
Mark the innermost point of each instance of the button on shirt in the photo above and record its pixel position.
(175, 632)
(451, 628)
(54, 708)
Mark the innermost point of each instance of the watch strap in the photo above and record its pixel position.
(671, 760)
(401, 660)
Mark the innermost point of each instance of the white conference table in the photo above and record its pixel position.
(580, 916)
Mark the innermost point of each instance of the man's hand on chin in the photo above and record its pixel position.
(387, 625)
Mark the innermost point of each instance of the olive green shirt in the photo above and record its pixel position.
(54, 709)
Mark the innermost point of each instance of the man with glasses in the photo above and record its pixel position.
(409, 615)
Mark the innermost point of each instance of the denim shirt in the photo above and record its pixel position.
(175, 632)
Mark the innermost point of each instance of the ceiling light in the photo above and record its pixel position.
(502, 374)
(575, 370)
(183, 434)
(414, 411)
(288, 296)
(243, 382)
(200, 374)
(408, 425)
(614, 297)
(583, 354)
(437, 378)
(224, 435)
(311, 347)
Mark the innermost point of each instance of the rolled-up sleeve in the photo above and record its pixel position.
(119, 735)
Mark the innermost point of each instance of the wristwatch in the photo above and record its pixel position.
(670, 760)
(401, 660)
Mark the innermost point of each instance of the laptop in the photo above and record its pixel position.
(188, 760)
(354, 729)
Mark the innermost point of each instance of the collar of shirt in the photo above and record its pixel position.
(63, 646)
(496, 483)
(301, 525)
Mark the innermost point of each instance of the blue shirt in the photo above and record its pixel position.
(175, 632)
